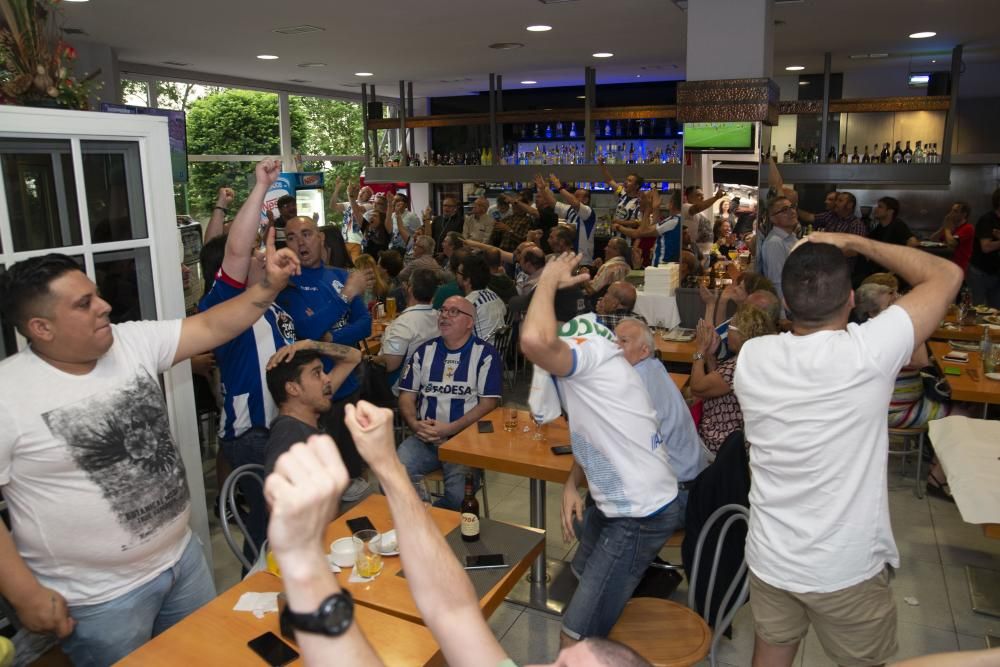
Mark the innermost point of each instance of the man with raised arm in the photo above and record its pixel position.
(100, 552)
(575, 210)
(820, 547)
(627, 210)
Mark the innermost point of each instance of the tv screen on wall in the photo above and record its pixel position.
(719, 136)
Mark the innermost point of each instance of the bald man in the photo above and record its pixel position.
(617, 304)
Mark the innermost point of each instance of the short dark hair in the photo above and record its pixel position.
(964, 208)
(401, 195)
(391, 261)
(890, 203)
(455, 239)
(26, 283)
(534, 256)
(423, 284)
(690, 189)
(284, 199)
(565, 234)
(212, 254)
(476, 271)
(288, 371)
(816, 282)
(456, 259)
(639, 180)
(849, 195)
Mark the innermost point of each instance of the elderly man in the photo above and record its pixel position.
(617, 304)
(502, 209)
(841, 219)
(780, 240)
(422, 258)
(412, 328)
(450, 220)
(614, 268)
(815, 404)
(451, 382)
(479, 223)
(357, 197)
(473, 277)
(677, 429)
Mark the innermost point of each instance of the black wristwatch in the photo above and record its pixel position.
(333, 617)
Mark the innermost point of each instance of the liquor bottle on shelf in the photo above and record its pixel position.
(789, 155)
(572, 130)
(865, 159)
(832, 155)
(884, 155)
(935, 157)
(618, 128)
(908, 154)
(607, 128)
(919, 157)
(813, 155)
(470, 512)
(548, 131)
(842, 157)
(559, 129)
(855, 158)
(897, 154)
(641, 129)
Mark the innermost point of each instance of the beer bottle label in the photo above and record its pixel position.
(470, 524)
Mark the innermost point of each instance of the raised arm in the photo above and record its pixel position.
(346, 358)
(223, 322)
(443, 593)
(338, 187)
(612, 183)
(774, 180)
(505, 257)
(242, 239)
(935, 280)
(706, 204)
(539, 339)
(217, 223)
(544, 193)
(526, 208)
(566, 195)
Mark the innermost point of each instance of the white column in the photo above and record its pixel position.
(420, 193)
(748, 50)
(285, 132)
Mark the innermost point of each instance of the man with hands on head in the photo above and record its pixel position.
(109, 561)
(304, 491)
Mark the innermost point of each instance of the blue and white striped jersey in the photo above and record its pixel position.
(490, 312)
(668, 243)
(585, 221)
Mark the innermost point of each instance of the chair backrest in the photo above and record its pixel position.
(227, 500)
(732, 600)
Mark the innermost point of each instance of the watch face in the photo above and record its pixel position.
(336, 614)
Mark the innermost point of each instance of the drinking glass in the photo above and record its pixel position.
(991, 362)
(390, 307)
(538, 435)
(367, 559)
(509, 419)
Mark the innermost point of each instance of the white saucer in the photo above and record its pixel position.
(993, 376)
(391, 534)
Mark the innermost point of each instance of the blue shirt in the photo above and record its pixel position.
(313, 300)
(676, 426)
(449, 383)
(246, 402)
(773, 253)
(668, 243)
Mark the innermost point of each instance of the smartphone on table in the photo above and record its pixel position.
(272, 650)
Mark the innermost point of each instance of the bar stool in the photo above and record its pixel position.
(912, 440)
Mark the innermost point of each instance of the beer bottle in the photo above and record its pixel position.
(470, 512)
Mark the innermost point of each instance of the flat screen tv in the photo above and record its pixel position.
(719, 137)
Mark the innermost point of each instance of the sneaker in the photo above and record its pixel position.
(355, 490)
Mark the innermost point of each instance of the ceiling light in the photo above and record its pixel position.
(795, 68)
(878, 55)
(538, 28)
(638, 76)
(602, 54)
(363, 74)
(933, 61)
(922, 35)
(529, 83)
(506, 46)
(77, 0)
(267, 56)
(312, 65)
(581, 97)
(803, 83)
(919, 80)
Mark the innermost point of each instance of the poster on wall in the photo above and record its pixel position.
(176, 131)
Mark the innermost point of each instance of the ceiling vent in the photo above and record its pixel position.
(555, 2)
(299, 29)
(299, 80)
(74, 31)
(175, 63)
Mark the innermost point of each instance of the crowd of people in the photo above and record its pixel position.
(93, 478)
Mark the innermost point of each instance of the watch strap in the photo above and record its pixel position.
(332, 618)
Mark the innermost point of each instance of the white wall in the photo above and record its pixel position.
(92, 56)
(748, 52)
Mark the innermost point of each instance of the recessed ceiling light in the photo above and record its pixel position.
(506, 46)
(363, 74)
(312, 65)
(267, 56)
(528, 83)
(922, 35)
(538, 28)
(803, 83)
(859, 56)
(581, 97)
(603, 54)
(795, 68)
(638, 76)
(933, 61)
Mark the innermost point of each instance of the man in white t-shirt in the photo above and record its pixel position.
(815, 404)
(357, 197)
(616, 446)
(412, 328)
(99, 552)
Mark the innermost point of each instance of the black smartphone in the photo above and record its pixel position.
(562, 449)
(360, 523)
(273, 651)
(484, 561)
(485, 427)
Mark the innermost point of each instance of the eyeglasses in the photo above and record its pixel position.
(454, 312)
(785, 209)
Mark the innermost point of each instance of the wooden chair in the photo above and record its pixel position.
(227, 499)
(670, 635)
(437, 477)
(913, 442)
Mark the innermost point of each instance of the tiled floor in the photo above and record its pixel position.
(934, 543)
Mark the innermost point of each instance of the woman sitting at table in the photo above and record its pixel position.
(380, 285)
(910, 406)
(713, 383)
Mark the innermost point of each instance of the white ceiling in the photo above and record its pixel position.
(441, 45)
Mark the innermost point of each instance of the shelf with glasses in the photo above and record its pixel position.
(570, 173)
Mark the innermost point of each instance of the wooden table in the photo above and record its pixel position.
(217, 635)
(668, 350)
(964, 387)
(391, 594)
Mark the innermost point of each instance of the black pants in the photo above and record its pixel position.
(333, 425)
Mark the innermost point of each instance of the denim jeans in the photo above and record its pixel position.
(985, 286)
(611, 559)
(107, 632)
(421, 458)
(251, 447)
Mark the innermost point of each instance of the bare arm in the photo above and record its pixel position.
(566, 195)
(240, 244)
(544, 193)
(505, 257)
(607, 175)
(806, 216)
(335, 195)
(935, 280)
(390, 361)
(705, 382)
(347, 357)
(539, 339)
(408, 407)
(40, 609)
(984, 658)
(774, 179)
(216, 224)
(526, 208)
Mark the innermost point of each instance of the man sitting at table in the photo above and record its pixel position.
(614, 268)
(304, 493)
(303, 391)
(450, 383)
(624, 458)
(617, 304)
(412, 328)
(820, 547)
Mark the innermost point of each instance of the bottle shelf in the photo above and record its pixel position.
(570, 173)
(921, 175)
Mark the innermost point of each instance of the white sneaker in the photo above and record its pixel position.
(355, 490)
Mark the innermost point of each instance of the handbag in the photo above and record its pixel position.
(375, 386)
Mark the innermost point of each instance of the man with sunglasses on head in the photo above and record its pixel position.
(782, 214)
(449, 383)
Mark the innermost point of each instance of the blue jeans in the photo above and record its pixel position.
(421, 458)
(251, 447)
(107, 632)
(613, 555)
(985, 286)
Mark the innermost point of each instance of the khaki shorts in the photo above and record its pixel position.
(856, 625)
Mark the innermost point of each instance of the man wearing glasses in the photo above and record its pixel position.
(449, 383)
(779, 242)
(450, 220)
